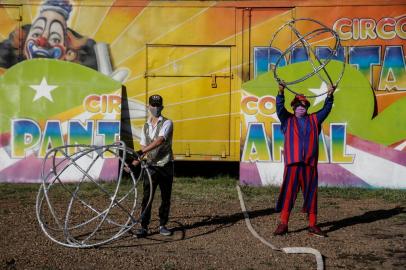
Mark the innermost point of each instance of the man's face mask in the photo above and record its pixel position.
(155, 111)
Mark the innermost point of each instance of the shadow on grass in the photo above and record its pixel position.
(226, 219)
(215, 223)
(367, 217)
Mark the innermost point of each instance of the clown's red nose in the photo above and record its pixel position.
(42, 42)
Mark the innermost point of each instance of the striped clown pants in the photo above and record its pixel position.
(295, 176)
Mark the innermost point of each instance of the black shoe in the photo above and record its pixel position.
(141, 233)
(164, 231)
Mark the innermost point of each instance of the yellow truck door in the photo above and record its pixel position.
(197, 96)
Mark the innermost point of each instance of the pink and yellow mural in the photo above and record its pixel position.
(96, 62)
(363, 141)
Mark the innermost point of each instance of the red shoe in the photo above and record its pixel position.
(282, 229)
(316, 231)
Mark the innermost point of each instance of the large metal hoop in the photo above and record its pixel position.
(303, 39)
(59, 229)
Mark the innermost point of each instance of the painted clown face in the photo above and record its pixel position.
(47, 36)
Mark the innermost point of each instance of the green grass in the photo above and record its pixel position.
(17, 191)
(205, 189)
(222, 189)
(388, 195)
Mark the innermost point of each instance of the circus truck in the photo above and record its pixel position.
(81, 72)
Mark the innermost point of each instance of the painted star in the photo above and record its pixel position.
(317, 91)
(43, 90)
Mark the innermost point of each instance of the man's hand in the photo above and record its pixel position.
(281, 87)
(331, 89)
(126, 169)
(134, 163)
(140, 154)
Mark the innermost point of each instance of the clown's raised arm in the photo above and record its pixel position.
(281, 111)
(328, 105)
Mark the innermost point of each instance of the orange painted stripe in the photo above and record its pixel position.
(120, 16)
(212, 34)
(385, 100)
(7, 24)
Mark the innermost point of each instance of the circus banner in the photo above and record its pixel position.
(210, 61)
(363, 141)
(138, 45)
(48, 103)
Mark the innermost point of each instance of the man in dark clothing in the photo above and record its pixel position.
(156, 147)
(301, 131)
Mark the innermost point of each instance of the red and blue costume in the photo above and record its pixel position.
(300, 157)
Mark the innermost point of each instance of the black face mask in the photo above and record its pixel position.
(156, 111)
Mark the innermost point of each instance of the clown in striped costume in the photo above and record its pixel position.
(301, 131)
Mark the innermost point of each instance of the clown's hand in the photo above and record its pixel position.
(331, 89)
(282, 86)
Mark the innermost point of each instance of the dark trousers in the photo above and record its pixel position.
(162, 177)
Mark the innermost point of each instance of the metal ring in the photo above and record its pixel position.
(62, 226)
(303, 39)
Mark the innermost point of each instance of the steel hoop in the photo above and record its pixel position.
(303, 39)
(61, 231)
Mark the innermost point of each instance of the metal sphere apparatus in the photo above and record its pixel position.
(303, 40)
(88, 212)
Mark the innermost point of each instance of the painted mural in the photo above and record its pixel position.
(46, 102)
(138, 45)
(210, 61)
(363, 141)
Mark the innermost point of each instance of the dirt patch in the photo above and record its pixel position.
(211, 234)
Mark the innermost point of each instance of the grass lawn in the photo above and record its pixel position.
(366, 229)
(222, 189)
